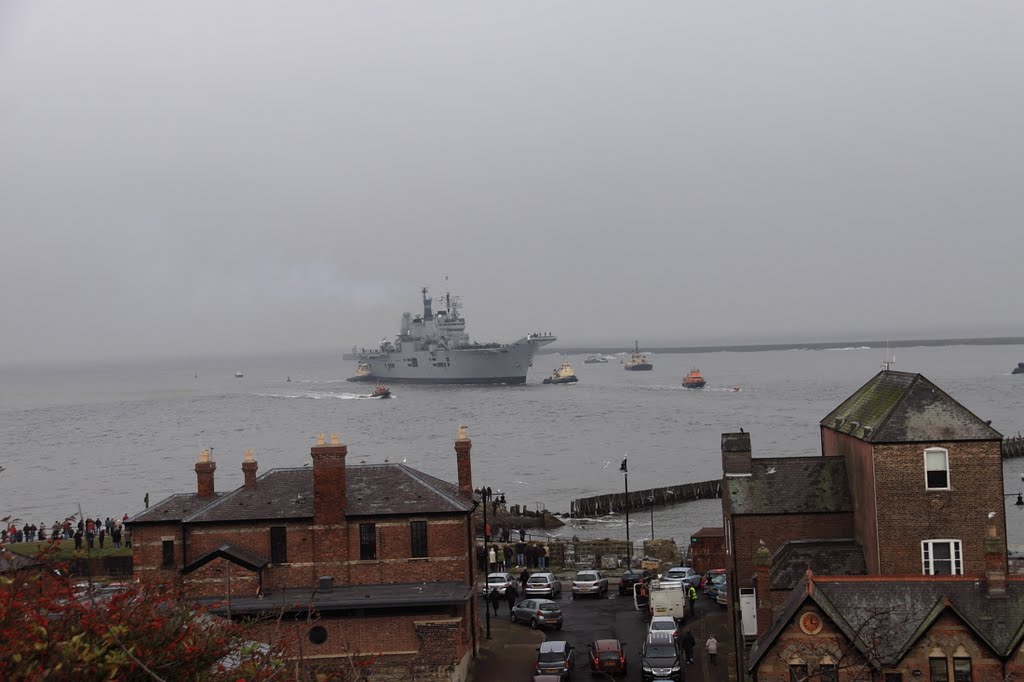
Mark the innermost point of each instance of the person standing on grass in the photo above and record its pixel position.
(712, 647)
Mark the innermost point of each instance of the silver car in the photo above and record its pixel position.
(539, 613)
(497, 581)
(589, 582)
(544, 583)
(683, 575)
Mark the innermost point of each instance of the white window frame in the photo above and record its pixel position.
(956, 555)
(945, 454)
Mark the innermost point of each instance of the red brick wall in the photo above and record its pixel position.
(400, 647)
(147, 551)
(950, 637)
(776, 530)
(912, 514)
(862, 489)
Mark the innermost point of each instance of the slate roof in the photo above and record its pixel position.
(12, 561)
(791, 485)
(299, 600)
(279, 494)
(236, 555)
(886, 616)
(900, 407)
(824, 557)
(174, 508)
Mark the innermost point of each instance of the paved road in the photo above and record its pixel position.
(615, 617)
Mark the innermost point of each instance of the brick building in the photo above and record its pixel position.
(344, 564)
(908, 484)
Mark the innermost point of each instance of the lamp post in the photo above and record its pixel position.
(486, 495)
(624, 468)
(651, 500)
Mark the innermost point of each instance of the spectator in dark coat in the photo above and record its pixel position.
(493, 598)
(510, 596)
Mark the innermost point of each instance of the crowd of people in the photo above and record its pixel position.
(506, 555)
(92, 533)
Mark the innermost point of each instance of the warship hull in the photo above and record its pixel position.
(504, 364)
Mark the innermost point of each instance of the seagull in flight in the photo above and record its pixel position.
(608, 463)
(403, 459)
(770, 470)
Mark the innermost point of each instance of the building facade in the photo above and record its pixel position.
(368, 565)
(908, 490)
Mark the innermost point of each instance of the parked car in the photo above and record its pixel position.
(660, 658)
(681, 574)
(711, 589)
(631, 577)
(663, 624)
(555, 658)
(498, 581)
(723, 593)
(607, 656)
(544, 583)
(538, 613)
(589, 582)
(705, 581)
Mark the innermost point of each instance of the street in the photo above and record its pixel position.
(615, 617)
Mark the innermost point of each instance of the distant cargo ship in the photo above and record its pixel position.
(434, 348)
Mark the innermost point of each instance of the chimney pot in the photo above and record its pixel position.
(463, 446)
(329, 482)
(736, 454)
(204, 474)
(249, 467)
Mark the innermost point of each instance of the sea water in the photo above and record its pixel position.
(102, 437)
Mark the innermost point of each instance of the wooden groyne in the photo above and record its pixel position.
(639, 500)
(1013, 446)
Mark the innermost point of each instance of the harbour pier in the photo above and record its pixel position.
(642, 500)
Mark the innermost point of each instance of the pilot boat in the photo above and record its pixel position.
(637, 361)
(693, 379)
(562, 375)
(381, 392)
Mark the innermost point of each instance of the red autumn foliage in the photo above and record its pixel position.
(54, 629)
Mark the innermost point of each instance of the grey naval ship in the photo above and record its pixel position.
(434, 348)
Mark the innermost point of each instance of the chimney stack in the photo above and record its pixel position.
(462, 447)
(995, 562)
(204, 474)
(249, 470)
(736, 454)
(762, 588)
(329, 494)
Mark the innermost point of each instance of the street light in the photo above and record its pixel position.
(651, 500)
(624, 468)
(486, 495)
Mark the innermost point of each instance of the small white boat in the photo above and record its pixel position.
(239, 375)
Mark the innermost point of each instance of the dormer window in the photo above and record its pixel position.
(936, 468)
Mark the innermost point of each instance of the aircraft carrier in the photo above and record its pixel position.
(434, 348)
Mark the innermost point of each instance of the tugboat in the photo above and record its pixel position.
(239, 375)
(596, 359)
(362, 373)
(693, 379)
(562, 375)
(638, 361)
(381, 392)
(1019, 369)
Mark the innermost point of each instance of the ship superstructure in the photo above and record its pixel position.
(434, 348)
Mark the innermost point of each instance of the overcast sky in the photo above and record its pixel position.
(184, 177)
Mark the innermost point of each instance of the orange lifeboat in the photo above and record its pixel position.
(693, 379)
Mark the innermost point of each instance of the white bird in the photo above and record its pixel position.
(770, 470)
(608, 464)
(403, 460)
(991, 515)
